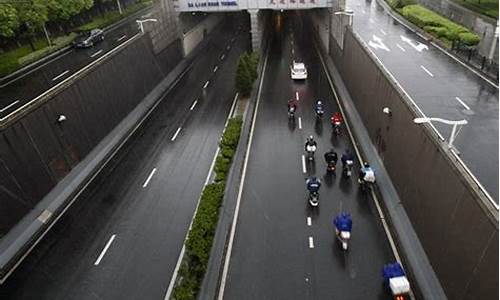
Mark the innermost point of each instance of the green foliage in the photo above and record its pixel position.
(468, 38)
(200, 237)
(437, 25)
(9, 21)
(246, 73)
(57, 44)
(400, 3)
(9, 61)
(112, 17)
(485, 7)
(65, 9)
(33, 15)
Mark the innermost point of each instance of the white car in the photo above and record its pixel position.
(298, 71)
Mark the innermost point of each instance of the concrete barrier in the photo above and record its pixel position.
(456, 224)
(193, 37)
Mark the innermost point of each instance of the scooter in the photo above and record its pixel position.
(313, 199)
(310, 152)
(291, 112)
(347, 168)
(336, 128)
(320, 113)
(343, 237)
(330, 167)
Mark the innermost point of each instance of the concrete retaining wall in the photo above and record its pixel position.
(36, 151)
(456, 225)
(192, 38)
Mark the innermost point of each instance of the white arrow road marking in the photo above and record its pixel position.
(383, 32)
(417, 45)
(378, 44)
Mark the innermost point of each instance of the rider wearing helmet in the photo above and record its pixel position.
(337, 118)
(310, 142)
(343, 222)
(347, 155)
(313, 184)
(292, 103)
(366, 174)
(319, 106)
(331, 157)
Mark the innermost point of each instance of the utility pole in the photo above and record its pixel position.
(119, 7)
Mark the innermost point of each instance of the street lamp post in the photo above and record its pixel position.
(143, 21)
(455, 124)
(346, 12)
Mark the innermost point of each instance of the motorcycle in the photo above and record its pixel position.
(291, 112)
(343, 236)
(310, 152)
(313, 199)
(331, 167)
(320, 113)
(336, 128)
(347, 168)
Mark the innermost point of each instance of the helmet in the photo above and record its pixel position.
(310, 138)
(332, 150)
(319, 102)
(366, 165)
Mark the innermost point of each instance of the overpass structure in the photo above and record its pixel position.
(256, 8)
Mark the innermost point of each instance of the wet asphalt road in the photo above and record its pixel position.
(19, 90)
(435, 81)
(149, 217)
(272, 256)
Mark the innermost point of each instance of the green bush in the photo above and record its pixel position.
(57, 43)
(400, 3)
(246, 73)
(112, 17)
(200, 237)
(469, 39)
(437, 25)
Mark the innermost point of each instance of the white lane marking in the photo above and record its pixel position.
(121, 38)
(60, 75)
(240, 190)
(417, 45)
(293, 51)
(427, 71)
(311, 242)
(194, 104)
(364, 12)
(175, 134)
(215, 69)
(97, 53)
(222, 57)
(300, 123)
(297, 96)
(183, 249)
(309, 221)
(9, 106)
(399, 46)
(206, 84)
(383, 32)
(463, 103)
(149, 178)
(304, 170)
(378, 44)
(228, 47)
(104, 250)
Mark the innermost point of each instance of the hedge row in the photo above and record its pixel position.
(246, 73)
(201, 235)
(436, 25)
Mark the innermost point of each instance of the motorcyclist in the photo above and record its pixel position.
(319, 108)
(347, 155)
(366, 174)
(310, 142)
(331, 157)
(343, 222)
(313, 184)
(337, 118)
(292, 103)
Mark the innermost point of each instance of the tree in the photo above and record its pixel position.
(32, 17)
(65, 9)
(9, 21)
(243, 76)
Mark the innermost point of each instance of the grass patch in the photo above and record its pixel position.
(438, 26)
(485, 7)
(57, 43)
(112, 17)
(9, 61)
(201, 235)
